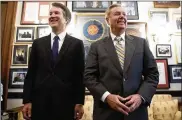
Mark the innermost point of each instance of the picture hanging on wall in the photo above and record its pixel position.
(19, 56)
(25, 34)
(162, 65)
(36, 13)
(166, 4)
(175, 72)
(92, 26)
(90, 6)
(131, 8)
(159, 17)
(163, 50)
(43, 31)
(138, 29)
(17, 77)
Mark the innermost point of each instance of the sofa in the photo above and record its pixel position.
(162, 107)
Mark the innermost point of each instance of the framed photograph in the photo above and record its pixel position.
(43, 31)
(90, 27)
(176, 17)
(131, 9)
(166, 4)
(38, 15)
(25, 34)
(20, 55)
(159, 17)
(163, 73)
(17, 77)
(163, 50)
(138, 29)
(90, 6)
(175, 73)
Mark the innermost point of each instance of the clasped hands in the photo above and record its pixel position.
(124, 105)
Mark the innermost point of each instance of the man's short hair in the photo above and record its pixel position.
(66, 11)
(107, 13)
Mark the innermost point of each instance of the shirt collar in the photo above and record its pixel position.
(114, 36)
(61, 35)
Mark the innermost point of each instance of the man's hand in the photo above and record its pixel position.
(79, 111)
(27, 111)
(115, 102)
(134, 101)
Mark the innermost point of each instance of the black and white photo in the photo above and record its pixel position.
(163, 50)
(17, 77)
(175, 73)
(131, 8)
(25, 34)
(90, 6)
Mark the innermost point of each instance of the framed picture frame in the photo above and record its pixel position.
(17, 77)
(163, 50)
(43, 31)
(90, 6)
(159, 17)
(131, 9)
(92, 26)
(19, 56)
(166, 4)
(138, 29)
(38, 15)
(25, 34)
(175, 72)
(162, 65)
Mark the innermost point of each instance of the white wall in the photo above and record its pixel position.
(143, 8)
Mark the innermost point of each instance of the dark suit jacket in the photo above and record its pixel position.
(54, 88)
(104, 73)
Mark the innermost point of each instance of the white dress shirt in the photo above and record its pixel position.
(123, 44)
(61, 39)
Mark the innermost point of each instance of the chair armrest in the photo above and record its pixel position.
(177, 116)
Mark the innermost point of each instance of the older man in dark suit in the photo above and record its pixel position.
(114, 70)
(53, 88)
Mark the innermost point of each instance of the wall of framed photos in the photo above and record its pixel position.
(145, 21)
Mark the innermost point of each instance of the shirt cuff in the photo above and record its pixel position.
(104, 96)
(143, 100)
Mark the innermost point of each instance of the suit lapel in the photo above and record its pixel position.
(129, 50)
(48, 52)
(67, 42)
(109, 47)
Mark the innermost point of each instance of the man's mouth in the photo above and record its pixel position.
(53, 19)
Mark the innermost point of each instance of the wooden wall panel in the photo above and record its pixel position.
(8, 29)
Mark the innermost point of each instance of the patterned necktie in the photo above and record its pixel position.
(120, 50)
(55, 47)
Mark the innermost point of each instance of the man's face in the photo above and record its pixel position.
(56, 19)
(117, 18)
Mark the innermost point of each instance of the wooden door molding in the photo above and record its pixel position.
(6, 46)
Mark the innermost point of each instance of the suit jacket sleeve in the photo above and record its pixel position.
(79, 88)
(28, 83)
(151, 75)
(92, 73)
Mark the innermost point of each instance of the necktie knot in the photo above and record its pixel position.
(56, 38)
(118, 39)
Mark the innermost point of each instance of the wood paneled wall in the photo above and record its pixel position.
(8, 17)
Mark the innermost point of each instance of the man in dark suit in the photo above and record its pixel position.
(114, 70)
(53, 88)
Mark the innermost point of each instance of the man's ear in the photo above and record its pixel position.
(107, 20)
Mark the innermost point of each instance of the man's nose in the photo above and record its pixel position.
(53, 15)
